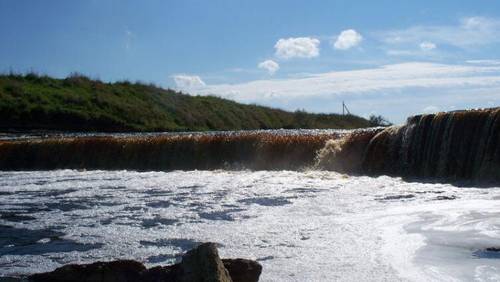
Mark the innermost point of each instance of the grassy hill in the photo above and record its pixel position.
(77, 103)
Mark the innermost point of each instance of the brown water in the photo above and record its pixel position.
(455, 146)
(259, 150)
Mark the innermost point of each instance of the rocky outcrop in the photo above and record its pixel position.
(203, 264)
(243, 270)
(200, 264)
(114, 271)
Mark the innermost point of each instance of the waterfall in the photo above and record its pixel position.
(453, 146)
(345, 154)
(238, 150)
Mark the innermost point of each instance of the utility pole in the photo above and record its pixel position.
(345, 109)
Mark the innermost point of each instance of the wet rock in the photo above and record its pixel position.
(163, 273)
(201, 264)
(243, 270)
(114, 271)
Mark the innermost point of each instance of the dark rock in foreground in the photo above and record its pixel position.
(203, 264)
(120, 270)
(243, 270)
(200, 264)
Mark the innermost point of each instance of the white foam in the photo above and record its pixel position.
(302, 226)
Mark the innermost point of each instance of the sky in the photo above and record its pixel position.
(390, 58)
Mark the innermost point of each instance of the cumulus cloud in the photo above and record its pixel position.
(298, 47)
(468, 32)
(427, 46)
(347, 39)
(269, 65)
(187, 82)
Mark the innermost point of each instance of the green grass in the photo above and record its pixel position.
(77, 103)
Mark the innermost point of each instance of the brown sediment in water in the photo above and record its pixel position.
(453, 146)
(345, 154)
(251, 150)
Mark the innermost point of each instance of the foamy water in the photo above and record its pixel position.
(301, 226)
(281, 132)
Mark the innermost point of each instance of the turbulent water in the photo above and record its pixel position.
(461, 145)
(452, 147)
(261, 149)
(48, 135)
(262, 195)
(301, 226)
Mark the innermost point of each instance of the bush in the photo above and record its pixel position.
(14, 88)
(379, 120)
(76, 79)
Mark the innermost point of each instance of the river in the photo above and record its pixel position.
(308, 225)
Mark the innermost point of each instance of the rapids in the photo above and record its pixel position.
(301, 226)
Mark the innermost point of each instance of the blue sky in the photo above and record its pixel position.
(394, 58)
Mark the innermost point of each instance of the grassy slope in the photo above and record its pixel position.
(80, 104)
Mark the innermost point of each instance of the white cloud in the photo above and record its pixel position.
(394, 91)
(401, 52)
(430, 109)
(422, 52)
(396, 77)
(298, 47)
(484, 62)
(347, 39)
(475, 23)
(188, 82)
(269, 65)
(427, 46)
(469, 32)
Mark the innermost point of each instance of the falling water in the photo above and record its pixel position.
(454, 146)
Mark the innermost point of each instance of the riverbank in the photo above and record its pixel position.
(78, 103)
